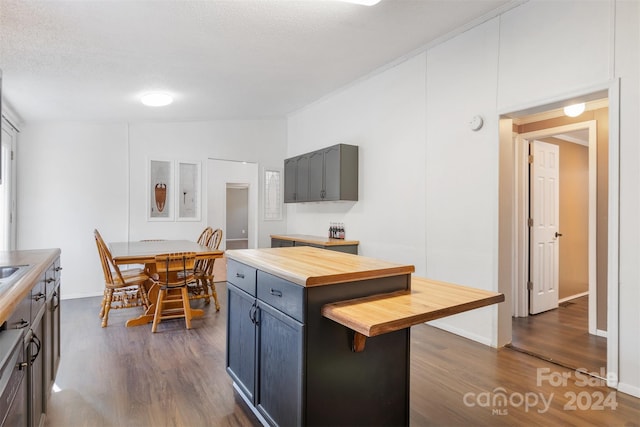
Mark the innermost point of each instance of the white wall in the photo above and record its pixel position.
(74, 177)
(414, 139)
(258, 141)
(461, 170)
(627, 69)
(384, 117)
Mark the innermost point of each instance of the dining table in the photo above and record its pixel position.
(145, 252)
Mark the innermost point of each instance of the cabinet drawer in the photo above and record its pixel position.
(282, 295)
(38, 298)
(242, 276)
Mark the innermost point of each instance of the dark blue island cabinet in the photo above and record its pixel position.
(294, 367)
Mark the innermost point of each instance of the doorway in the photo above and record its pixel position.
(514, 233)
(224, 174)
(564, 298)
(237, 216)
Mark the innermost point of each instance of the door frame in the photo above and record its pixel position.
(221, 172)
(507, 216)
(522, 255)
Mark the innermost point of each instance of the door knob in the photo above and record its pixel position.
(558, 234)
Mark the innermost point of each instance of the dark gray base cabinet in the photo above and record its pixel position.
(37, 317)
(296, 368)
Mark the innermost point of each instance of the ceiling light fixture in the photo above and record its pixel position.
(574, 110)
(363, 2)
(156, 99)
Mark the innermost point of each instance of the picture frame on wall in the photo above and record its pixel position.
(160, 190)
(188, 194)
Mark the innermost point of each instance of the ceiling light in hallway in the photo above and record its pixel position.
(574, 110)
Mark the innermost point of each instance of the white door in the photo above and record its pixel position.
(544, 209)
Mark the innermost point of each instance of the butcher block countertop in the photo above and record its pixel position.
(427, 300)
(309, 266)
(38, 261)
(315, 240)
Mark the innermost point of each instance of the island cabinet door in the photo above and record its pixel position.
(280, 367)
(241, 340)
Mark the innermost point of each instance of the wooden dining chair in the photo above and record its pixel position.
(122, 288)
(204, 237)
(173, 274)
(204, 286)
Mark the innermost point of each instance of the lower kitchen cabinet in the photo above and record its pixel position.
(36, 320)
(280, 366)
(241, 340)
(294, 367)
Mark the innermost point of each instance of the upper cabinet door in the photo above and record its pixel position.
(290, 166)
(302, 178)
(332, 173)
(316, 176)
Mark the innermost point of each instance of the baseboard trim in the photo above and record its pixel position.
(569, 298)
(601, 333)
(629, 389)
(461, 332)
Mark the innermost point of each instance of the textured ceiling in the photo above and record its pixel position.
(240, 59)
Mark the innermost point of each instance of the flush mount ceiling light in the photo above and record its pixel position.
(363, 2)
(574, 110)
(156, 99)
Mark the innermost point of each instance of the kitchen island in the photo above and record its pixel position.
(295, 335)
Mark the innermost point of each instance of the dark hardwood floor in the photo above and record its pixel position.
(120, 376)
(562, 336)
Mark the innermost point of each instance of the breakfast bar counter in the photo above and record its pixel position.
(298, 318)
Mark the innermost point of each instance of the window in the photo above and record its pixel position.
(7, 188)
(272, 195)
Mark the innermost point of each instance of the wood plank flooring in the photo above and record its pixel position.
(120, 376)
(562, 336)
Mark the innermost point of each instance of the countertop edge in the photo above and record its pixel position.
(316, 240)
(319, 280)
(39, 259)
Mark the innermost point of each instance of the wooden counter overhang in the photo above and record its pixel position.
(315, 240)
(427, 300)
(309, 266)
(38, 260)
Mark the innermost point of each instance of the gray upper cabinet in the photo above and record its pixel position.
(329, 174)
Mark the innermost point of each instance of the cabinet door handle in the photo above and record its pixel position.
(275, 292)
(240, 275)
(38, 296)
(58, 268)
(50, 279)
(252, 313)
(22, 324)
(35, 340)
(57, 299)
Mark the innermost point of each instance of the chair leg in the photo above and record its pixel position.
(186, 306)
(106, 306)
(214, 294)
(204, 284)
(144, 296)
(158, 314)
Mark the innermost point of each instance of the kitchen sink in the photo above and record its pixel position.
(10, 273)
(6, 272)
